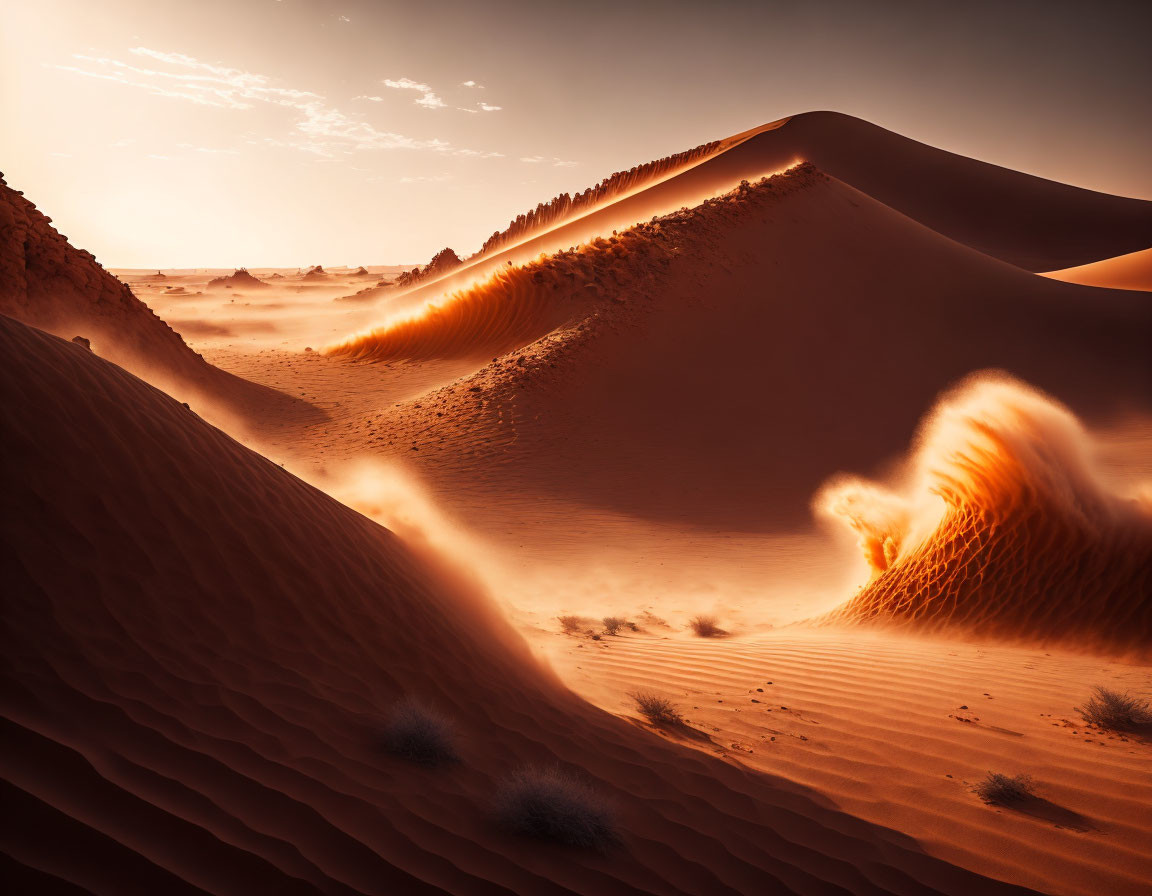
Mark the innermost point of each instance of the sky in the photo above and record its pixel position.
(217, 133)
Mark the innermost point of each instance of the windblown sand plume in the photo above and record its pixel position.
(1004, 529)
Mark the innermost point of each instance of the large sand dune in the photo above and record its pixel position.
(1036, 224)
(717, 365)
(198, 648)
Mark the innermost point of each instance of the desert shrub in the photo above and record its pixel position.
(1115, 711)
(656, 709)
(570, 625)
(414, 732)
(705, 626)
(1000, 789)
(551, 804)
(613, 624)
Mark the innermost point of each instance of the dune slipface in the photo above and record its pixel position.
(1004, 529)
(198, 651)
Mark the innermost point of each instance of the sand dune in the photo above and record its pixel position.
(632, 394)
(712, 367)
(1005, 529)
(1131, 271)
(199, 646)
(1027, 221)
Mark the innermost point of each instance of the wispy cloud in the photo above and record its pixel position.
(318, 127)
(543, 160)
(209, 150)
(195, 81)
(428, 98)
(426, 178)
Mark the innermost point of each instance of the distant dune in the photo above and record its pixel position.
(1022, 539)
(1131, 271)
(716, 365)
(199, 649)
(238, 279)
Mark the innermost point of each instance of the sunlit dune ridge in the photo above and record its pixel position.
(566, 206)
(519, 304)
(1003, 527)
(512, 307)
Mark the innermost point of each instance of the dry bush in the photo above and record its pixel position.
(705, 626)
(414, 732)
(1002, 789)
(656, 709)
(1115, 711)
(571, 625)
(613, 624)
(551, 804)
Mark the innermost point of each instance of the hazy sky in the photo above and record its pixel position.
(180, 133)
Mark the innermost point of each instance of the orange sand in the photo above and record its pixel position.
(632, 418)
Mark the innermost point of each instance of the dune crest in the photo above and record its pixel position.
(1003, 528)
(566, 206)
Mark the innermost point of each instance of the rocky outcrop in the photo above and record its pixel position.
(240, 279)
(442, 262)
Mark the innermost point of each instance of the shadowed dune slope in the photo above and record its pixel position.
(51, 285)
(1036, 224)
(1030, 222)
(1131, 271)
(716, 366)
(1023, 540)
(198, 647)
